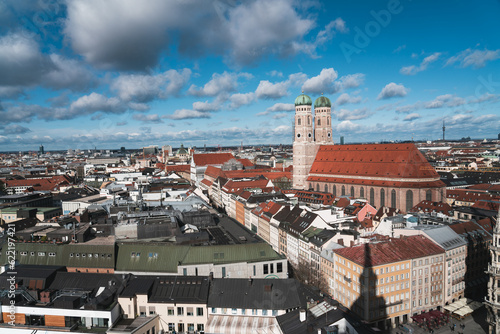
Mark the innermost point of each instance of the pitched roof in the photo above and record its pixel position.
(177, 168)
(430, 206)
(205, 159)
(384, 161)
(270, 294)
(395, 250)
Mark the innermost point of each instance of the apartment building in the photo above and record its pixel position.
(374, 280)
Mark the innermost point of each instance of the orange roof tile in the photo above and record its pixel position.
(395, 250)
(373, 160)
(205, 159)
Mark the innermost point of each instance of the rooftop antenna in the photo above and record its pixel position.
(444, 128)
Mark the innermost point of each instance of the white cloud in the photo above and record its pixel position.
(412, 117)
(281, 115)
(239, 99)
(474, 58)
(146, 88)
(268, 90)
(94, 102)
(219, 84)
(412, 70)
(322, 83)
(152, 118)
(281, 107)
(187, 114)
(345, 98)
(347, 126)
(206, 106)
(356, 114)
(392, 90)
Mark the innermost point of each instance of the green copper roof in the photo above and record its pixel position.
(303, 100)
(322, 102)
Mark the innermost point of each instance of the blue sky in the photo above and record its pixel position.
(86, 73)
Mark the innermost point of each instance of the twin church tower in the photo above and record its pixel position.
(310, 133)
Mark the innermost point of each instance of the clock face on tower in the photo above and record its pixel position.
(298, 135)
(309, 135)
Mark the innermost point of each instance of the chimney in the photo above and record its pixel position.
(302, 315)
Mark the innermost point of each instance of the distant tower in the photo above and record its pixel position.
(444, 128)
(323, 121)
(41, 150)
(304, 147)
(492, 301)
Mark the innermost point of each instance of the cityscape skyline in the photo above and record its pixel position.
(73, 79)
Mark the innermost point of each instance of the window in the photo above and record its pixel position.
(180, 311)
(254, 270)
(254, 311)
(184, 271)
(428, 195)
(393, 198)
(200, 327)
(170, 311)
(152, 310)
(199, 311)
(189, 311)
(266, 269)
(190, 328)
(409, 200)
(234, 311)
(223, 272)
(362, 192)
(382, 197)
(264, 312)
(214, 309)
(279, 267)
(334, 190)
(317, 187)
(298, 121)
(343, 191)
(272, 268)
(171, 327)
(326, 188)
(243, 311)
(372, 197)
(352, 191)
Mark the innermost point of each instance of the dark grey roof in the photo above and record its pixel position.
(138, 285)
(270, 294)
(83, 281)
(180, 289)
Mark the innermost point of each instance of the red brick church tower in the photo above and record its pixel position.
(393, 175)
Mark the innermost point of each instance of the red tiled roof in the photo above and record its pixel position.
(373, 160)
(465, 227)
(487, 205)
(430, 206)
(343, 202)
(471, 196)
(395, 250)
(233, 186)
(45, 184)
(245, 162)
(207, 182)
(205, 159)
(178, 168)
(214, 172)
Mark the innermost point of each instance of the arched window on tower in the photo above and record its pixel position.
(372, 197)
(362, 192)
(343, 191)
(308, 120)
(299, 121)
(393, 198)
(428, 195)
(334, 190)
(352, 191)
(317, 187)
(319, 121)
(328, 121)
(409, 200)
(382, 197)
(326, 188)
